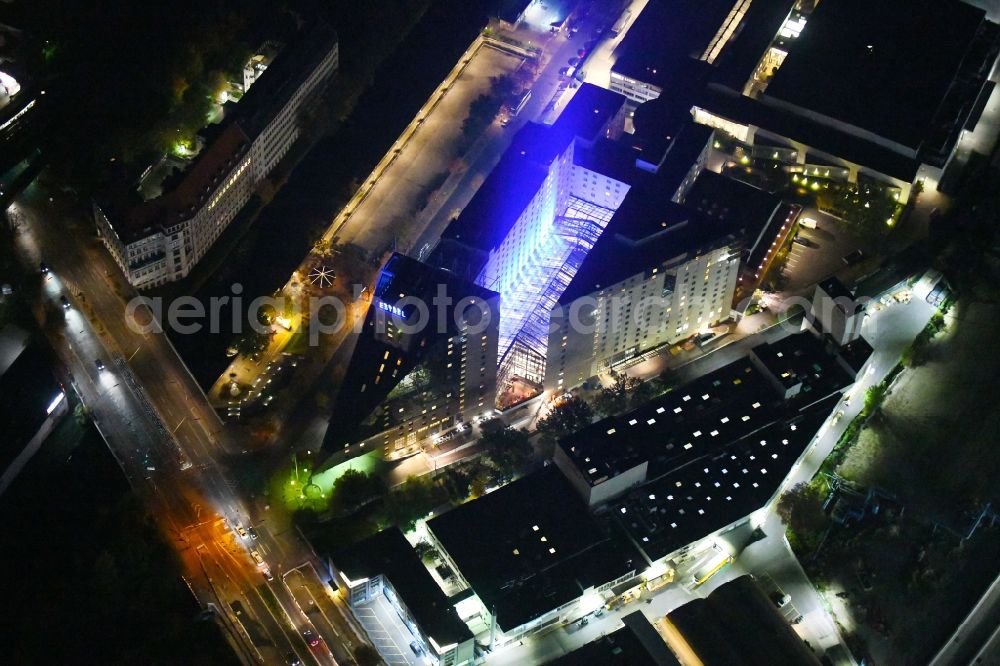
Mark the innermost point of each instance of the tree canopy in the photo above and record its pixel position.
(622, 394)
(508, 450)
(125, 78)
(566, 418)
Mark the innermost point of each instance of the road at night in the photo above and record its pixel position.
(172, 448)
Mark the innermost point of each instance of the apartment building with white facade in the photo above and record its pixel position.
(162, 239)
(666, 267)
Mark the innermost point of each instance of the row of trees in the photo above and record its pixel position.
(506, 453)
(129, 78)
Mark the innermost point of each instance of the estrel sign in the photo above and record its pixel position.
(391, 309)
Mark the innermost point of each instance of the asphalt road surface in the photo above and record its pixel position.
(170, 444)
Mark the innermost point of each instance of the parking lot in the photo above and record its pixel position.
(386, 631)
(818, 253)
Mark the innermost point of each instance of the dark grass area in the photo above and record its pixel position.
(932, 446)
(87, 575)
(911, 568)
(324, 179)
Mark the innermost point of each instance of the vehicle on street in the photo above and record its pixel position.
(853, 258)
(43, 267)
(711, 566)
(311, 638)
(417, 650)
(65, 302)
(521, 102)
(292, 660)
(779, 598)
(268, 575)
(257, 558)
(99, 364)
(241, 531)
(253, 532)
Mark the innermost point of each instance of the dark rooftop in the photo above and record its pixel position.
(803, 358)
(360, 393)
(517, 177)
(588, 112)
(635, 644)
(283, 77)
(855, 354)
(649, 229)
(881, 66)
(842, 296)
(718, 197)
(531, 547)
(665, 35)
(28, 387)
(761, 214)
(610, 158)
(835, 288)
(389, 553)
(719, 488)
(741, 109)
(677, 428)
(738, 624)
(740, 56)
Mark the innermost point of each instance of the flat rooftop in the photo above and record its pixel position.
(588, 111)
(722, 487)
(836, 289)
(532, 546)
(692, 421)
(842, 296)
(856, 353)
(803, 358)
(728, 200)
(665, 35)
(884, 67)
(825, 138)
(738, 624)
(649, 228)
(365, 386)
(517, 177)
(388, 553)
(758, 28)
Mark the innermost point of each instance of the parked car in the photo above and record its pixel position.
(780, 599)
